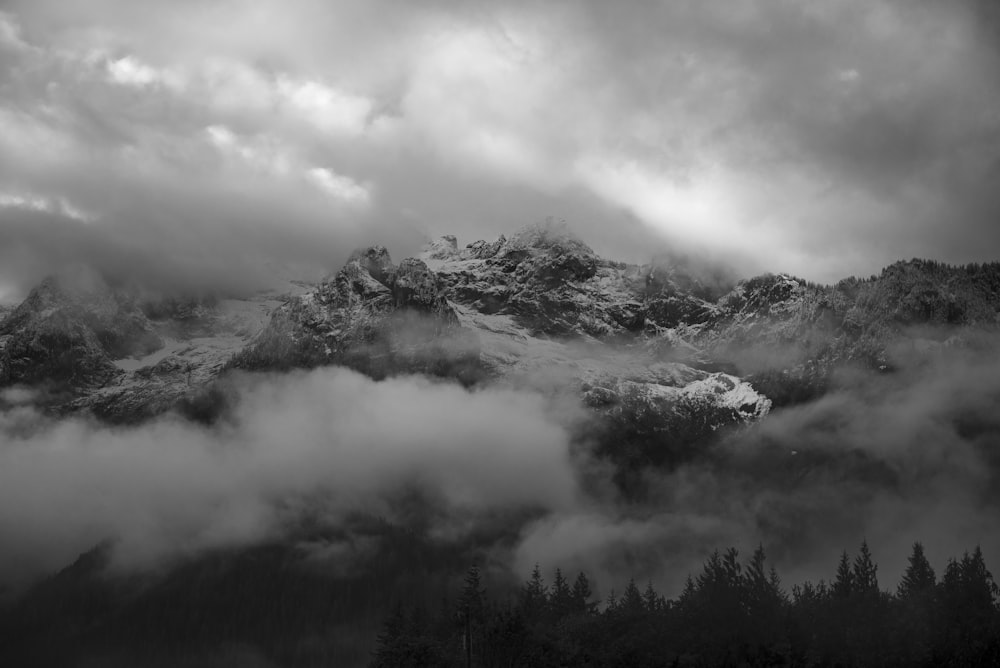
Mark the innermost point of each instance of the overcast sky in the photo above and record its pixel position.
(205, 138)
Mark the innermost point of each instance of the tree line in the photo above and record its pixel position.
(733, 613)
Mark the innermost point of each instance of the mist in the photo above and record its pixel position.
(329, 442)
(890, 459)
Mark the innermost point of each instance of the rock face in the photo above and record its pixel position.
(372, 316)
(554, 285)
(540, 309)
(69, 330)
(788, 335)
(544, 306)
(648, 344)
(117, 353)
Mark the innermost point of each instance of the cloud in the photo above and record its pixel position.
(201, 143)
(329, 109)
(10, 33)
(893, 460)
(340, 187)
(128, 71)
(329, 441)
(29, 202)
(821, 141)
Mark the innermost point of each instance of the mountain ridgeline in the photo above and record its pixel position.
(665, 412)
(688, 355)
(663, 358)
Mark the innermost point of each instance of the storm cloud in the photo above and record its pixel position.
(823, 140)
(216, 144)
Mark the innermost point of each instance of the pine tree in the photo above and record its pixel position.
(561, 598)
(775, 583)
(472, 612)
(389, 647)
(731, 565)
(865, 571)
(652, 601)
(755, 575)
(843, 585)
(971, 620)
(969, 582)
(915, 611)
(977, 575)
(631, 598)
(612, 604)
(919, 577)
(690, 590)
(582, 594)
(762, 594)
(472, 601)
(534, 595)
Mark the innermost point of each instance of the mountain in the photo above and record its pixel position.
(69, 330)
(790, 337)
(314, 598)
(82, 344)
(659, 357)
(539, 309)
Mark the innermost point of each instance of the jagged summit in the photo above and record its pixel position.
(373, 316)
(555, 285)
(374, 260)
(534, 237)
(539, 307)
(547, 235)
(70, 328)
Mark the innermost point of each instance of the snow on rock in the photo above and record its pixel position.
(373, 316)
(544, 306)
(442, 249)
(539, 309)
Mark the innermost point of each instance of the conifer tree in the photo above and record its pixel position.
(471, 602)
(762, 594)
(843, 585)
(631, 598)
(472, 612)
(969, 584)
(561, 598)
(582, 594)
(612, 604)
(389, 646)
(981, 579)
(919, 577)
(652, 601)
(732, 567)
(865, 571)
(534, 594)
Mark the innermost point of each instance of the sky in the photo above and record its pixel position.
(219, 141)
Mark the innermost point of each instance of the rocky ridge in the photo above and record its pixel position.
(539, 309)
(789, 337)
(373, 316)
(80, 344)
